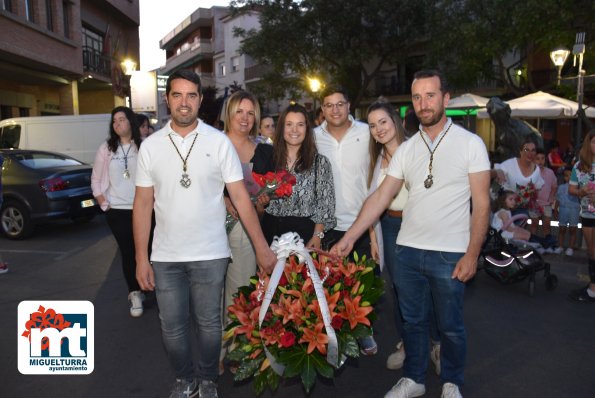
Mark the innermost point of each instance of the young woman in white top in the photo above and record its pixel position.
(113, 186)
(522, 176)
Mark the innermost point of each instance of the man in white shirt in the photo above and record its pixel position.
(181, 172)
(440, 239)
(344, 141)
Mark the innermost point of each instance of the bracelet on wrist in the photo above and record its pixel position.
(318, 235)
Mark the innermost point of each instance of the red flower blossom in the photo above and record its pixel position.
(287, 340)
(337, 322)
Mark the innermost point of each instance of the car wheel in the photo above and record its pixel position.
(15, 220)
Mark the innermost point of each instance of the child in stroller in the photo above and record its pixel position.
(504, 222)
(511, 253)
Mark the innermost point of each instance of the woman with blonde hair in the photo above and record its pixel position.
(241, 127)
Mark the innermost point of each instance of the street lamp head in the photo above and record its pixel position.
(128, 66)
(314, 84)
(559, 56)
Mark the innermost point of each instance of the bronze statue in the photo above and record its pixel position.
(510, 132)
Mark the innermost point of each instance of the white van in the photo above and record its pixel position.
(76, 136)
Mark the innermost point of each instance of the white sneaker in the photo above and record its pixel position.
(207, 389)
(569, 252)
(184, 389)
(135, 302)
(450, 390)
(396, 359)
(406, 388)
(435, 357)
(558, 250)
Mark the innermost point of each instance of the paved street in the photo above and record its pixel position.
(519, 346)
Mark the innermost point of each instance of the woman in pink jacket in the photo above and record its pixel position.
(113, 186)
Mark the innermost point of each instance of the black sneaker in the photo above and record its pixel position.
(581, 295)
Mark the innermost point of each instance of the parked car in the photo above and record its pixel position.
(40, 186)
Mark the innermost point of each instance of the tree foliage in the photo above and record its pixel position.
(347, 42)
(470, 39)
(351, 41)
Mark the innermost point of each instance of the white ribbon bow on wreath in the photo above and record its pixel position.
(284, 246)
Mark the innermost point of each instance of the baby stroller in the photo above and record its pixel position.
(510, 261)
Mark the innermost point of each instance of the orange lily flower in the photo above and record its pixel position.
(290, 309)
(315, 338)
(355, 314)
(248, 321)
(350, 269)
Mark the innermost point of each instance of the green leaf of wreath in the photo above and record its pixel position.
(246, 369)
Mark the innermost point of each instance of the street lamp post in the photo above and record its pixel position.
(579, 51)
(559, 57)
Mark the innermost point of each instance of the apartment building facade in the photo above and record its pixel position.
(205, 42)
(63, 57)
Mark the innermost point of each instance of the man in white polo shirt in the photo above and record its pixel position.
(181, 172)
(345, 142)
(443, 166)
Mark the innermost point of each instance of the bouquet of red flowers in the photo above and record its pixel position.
(275, 184)
(303, 320)
(527, 197)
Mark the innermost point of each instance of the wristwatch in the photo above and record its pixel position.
(319, 234)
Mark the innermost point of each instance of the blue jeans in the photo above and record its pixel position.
(182, 289)
(390, 230)
(423, 279)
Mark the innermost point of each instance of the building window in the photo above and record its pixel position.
(92, 40)
(23, 112)
(5, 112)
(95, 52)
(7, 5)
(235, 64)
(221, 69)
(49, 15)
(29, 10)
(66, 18)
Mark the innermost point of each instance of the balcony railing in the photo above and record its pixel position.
(96, 62)
(202, 49)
